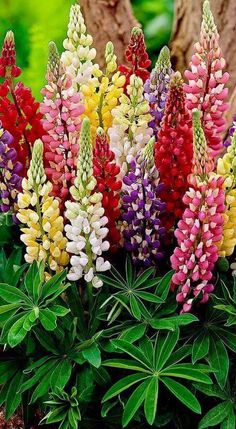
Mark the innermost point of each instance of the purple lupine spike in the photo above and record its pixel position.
(142, 229)
(10, 181)
(232, 129)
(156, 88)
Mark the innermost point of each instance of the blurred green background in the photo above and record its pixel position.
(35, 23)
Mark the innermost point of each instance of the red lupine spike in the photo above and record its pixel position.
(105, 172)
(174, 151)
(137, 55)
(8, 66)
(18, 108)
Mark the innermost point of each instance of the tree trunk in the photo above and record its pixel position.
(109, 20)
(186, 30)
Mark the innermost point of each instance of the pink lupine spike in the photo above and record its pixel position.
(205, 89)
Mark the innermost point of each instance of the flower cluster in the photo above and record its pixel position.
(39, 212)
(10, 169)
(130, 131)
(226, 167)
(106, 171)
(62, 109)
(86, 229)
(206, 88)
(100, 102)
(173, 151)
(18, 109)
(198, 232)
(137, 56)
(156, 88)
(79, 55)
(142, 229)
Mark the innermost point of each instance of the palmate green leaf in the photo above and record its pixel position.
(134, 333)
(45, 368)
(143, 277)
(33, 280)
(123, 384)
(183, 394)
(8, 307)
(228, 337)
(216, 415)
(134, 305)
(93, 355)
(12, 294)
(55, 416)
(59, 310)
(213, 390)
(179, 355)
(188, 372)
(134, 402)
(164, 348)
(17, 332)
(131, 350)
(42, 388)
(163, 286)
(48, 319)
(125, 364)
(163, 324)
(200, 347)
(151, 398)
(129, 270)
(219, 360)
(61, 374)
(53, 285)
(150, 297)
(230, 420)
(13, 397)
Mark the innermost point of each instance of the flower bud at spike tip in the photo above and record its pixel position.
(85, 161)
(53, 64)
(148, 152)
(200, 160)
(163, 61)
(36, 171)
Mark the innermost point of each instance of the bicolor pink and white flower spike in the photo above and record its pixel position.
(199, 230)
(206, 89)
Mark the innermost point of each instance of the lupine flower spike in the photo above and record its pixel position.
(62, 110)
(99, 103)
(39, 212)
(226, 167)
(106, 172)
(10, 169)
(206, 88)
(156, 88)
(137, 56)
(199, 231)
(173, 151)
(18, 108)
(142, 229)
(130, 131)
(87, 228)
(79, 55)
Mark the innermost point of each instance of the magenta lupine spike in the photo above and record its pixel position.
(62, 110)
(199, 230)
(10, 180)
(206, 82)
(142, 229)
(156, 88)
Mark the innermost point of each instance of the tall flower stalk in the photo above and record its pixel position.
(137, 56)
(106, 172)
(87, 227)
(142, 229)
(62, 111)
(174, 151)
(156, 88)
(226, 167)
(206, 87)
(18, 109)
(200, 229)
(39, 212)
(99, 102)
(10, 169)
(130, 132)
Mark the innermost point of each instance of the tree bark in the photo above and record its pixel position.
(109, 20)
(186, 30)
